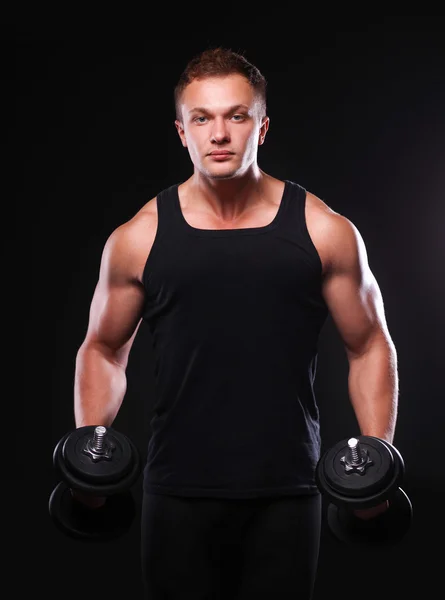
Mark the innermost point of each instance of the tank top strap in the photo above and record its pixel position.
(167, 218)
(294, 202)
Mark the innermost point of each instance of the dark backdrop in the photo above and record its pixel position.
(357, 112)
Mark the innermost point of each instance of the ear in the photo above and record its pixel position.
(180, 130)
(263, 130)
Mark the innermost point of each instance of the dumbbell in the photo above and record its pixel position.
(363, 472)
(96, 461)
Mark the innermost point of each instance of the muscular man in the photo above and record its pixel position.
(235, 272)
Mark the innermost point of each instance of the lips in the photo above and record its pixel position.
(220, 156)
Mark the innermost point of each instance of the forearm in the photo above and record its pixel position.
(373, 390)
(99, 387)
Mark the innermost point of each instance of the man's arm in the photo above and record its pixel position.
(115, 312)
(356, 305)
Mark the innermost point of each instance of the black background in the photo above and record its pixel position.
(357, 108)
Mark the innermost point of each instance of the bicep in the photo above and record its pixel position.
(116, 306)
(351, 292)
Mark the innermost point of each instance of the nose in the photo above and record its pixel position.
(220, 131)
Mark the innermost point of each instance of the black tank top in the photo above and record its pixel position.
(235, 317)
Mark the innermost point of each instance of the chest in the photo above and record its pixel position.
(315, 223)
(258, 217)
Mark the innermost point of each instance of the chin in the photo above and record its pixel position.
(225, 176)
(229, 174)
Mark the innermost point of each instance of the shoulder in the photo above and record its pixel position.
(336, 238)
(128, 245)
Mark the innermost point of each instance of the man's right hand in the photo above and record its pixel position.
(88, 500)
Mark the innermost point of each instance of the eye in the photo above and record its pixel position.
(197, 119)
(238, 117)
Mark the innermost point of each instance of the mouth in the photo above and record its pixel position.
(220, 155)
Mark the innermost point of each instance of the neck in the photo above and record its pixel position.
(227, 199)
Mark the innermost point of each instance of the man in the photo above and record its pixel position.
(234, 272)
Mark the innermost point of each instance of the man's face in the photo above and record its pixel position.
(221, 115)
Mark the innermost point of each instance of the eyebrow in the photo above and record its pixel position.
(230, 109)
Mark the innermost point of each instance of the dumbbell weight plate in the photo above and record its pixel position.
(363, 490)
(106, 471)
(400, 463)
(103, 477)
(91, 525)
(385, 529)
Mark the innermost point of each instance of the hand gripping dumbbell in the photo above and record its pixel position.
(100, 462)
(361, 473)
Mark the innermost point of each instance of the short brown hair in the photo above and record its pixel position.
(218, 62)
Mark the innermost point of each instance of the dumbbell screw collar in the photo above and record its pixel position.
(356, 458)
(97, 447)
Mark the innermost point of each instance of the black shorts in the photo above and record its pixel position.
(230, 549)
